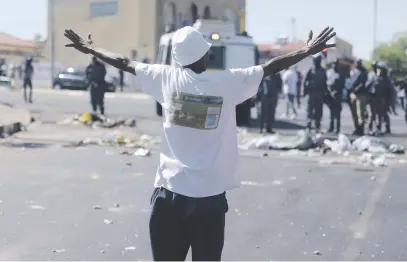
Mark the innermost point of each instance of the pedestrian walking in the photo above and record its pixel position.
(198, 161)
(27, 81)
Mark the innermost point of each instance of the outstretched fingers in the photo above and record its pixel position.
(323, 32)
(327, 33)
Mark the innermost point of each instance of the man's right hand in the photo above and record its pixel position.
(79, 43)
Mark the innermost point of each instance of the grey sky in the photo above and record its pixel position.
(266, 19)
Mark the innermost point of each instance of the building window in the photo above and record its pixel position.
(207, 12)
(194, 13)
(103, 8)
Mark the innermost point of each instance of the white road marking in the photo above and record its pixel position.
(359, 228)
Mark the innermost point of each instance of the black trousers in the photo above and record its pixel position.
(97, 99)
(179, 222)
(28, 84)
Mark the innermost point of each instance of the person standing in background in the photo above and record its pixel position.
(95, 74)
(27, 82)
(382, 96)
(269, 91)
(370, 85)
(299, 84)
(359, 97)
(121, 80)
(315, 87)
(290, 85)
(335, 85)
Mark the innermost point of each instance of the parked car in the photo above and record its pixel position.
(76, 79)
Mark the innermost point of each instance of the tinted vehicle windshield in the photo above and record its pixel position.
(216, 57)
(75, 73)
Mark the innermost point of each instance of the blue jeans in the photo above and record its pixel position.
(290, 104)
(179, 222)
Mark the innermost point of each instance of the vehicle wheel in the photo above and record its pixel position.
(159, 109)
(58, 87)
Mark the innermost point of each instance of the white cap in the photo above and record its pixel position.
(188, 46)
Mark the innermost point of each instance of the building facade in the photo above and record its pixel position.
(129, 27)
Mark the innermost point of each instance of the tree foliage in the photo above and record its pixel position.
(395, 55)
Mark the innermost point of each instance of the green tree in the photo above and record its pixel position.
(395, 55)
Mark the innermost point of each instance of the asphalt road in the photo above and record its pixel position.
(288, 208)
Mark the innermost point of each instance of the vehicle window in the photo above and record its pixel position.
(216, 57)
(76, 73)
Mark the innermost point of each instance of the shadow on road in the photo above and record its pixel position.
(26, 145)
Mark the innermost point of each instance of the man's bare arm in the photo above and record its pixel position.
(86, 47)
(315, 46)
(277, 64)
(116, 60)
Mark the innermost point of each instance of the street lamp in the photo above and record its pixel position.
(374, 28)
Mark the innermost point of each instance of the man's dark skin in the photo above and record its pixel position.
(272, 67)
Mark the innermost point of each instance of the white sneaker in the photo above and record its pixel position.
(293, 117)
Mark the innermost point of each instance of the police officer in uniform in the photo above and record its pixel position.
(359, 97)
(381, 98)
(268, 94)
(336, 84)
(95, 74)
(315, 87)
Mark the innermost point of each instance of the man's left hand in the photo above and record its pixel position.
(78, 43)
(320, 43)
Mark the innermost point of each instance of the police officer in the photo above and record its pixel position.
(381, 98)
(315, 87)
(95, 74)
(336, 84)
(370, 84)
(359, 97)
(269, 91)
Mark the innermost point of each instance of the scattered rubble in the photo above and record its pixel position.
(371, 150)
(95, 121)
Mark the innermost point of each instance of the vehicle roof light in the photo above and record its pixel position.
(215, 37)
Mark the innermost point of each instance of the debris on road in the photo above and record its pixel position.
(108, 222)
(97, 207)
(317, 253)
(38, 207)
(375, 151)
(58, 250)
(95, 121)
(130, 248)
(301, 141)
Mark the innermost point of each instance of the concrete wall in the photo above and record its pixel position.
(134, 29)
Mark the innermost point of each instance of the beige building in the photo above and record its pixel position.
(129, 27)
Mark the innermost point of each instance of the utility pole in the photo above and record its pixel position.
(294, 28)
(374, 28)
(51, 37)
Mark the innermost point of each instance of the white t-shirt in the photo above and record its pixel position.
(290, 81)
(199, 146)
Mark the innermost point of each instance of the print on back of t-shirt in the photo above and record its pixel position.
(195, 111)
